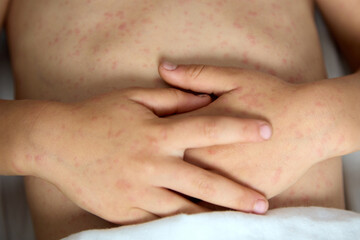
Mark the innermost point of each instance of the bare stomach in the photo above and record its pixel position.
(71, 50)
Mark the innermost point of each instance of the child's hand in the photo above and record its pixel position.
(116, 158)
(305, 128)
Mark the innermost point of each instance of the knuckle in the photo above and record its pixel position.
(148, 168)
(195, 71)
(205, 186)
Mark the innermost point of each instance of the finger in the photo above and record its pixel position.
(135, 216)
(168, 203)
(207, 186)
(167, 101)
(203, 131)
(200, 78)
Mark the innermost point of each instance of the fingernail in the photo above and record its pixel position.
(265, 131)
(260, 207)
(169, 66)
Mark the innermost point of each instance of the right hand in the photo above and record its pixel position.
(115, 157)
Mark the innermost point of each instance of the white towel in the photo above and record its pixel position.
(284, 223)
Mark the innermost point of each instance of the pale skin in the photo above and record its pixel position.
(76, 67)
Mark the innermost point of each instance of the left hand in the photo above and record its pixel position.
(305, 131)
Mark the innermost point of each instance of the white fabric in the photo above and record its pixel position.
(285, 223)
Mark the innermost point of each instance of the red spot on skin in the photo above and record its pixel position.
(146, 50)
(305, 199)
(77, 164)
(212, 151)
(114, 65)
(224, 43)
(78, 190)
(245, 59)
(252, 13)
(28, 157)
(118, 133)
(275, 6)
(252, 100)
(147, 21)
(298, 135)
(152, 140)
(120, 14)
(237, 25)
(319, 104)
(122, 26)
(186, 13)
(123, 185)
(329, 183)
(108, 14)
(77, 31)
(272, 72)
(188, 24)
(38, 159)
(83, 39)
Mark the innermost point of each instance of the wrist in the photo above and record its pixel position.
(340, 94)
(17, 119)
(35, 140)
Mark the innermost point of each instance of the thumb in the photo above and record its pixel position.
(200, 78)
(167, 101)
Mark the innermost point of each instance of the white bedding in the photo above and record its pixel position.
(292, 223)
(283, 223)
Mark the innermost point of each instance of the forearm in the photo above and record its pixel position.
(17, 119)
(343, 97)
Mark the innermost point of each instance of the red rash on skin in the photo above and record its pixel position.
(123, 184)
(245, 59)
(28, 157)
(299, 135)
(272, 72)
(38, 159)
(252, 39)
(252, 13)
(251, 100)
(122, 27)
(114, 65)
(329, 183)
(319, 104)
(78, 190)
(212, 151)
(152, 140)
(115, 134)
